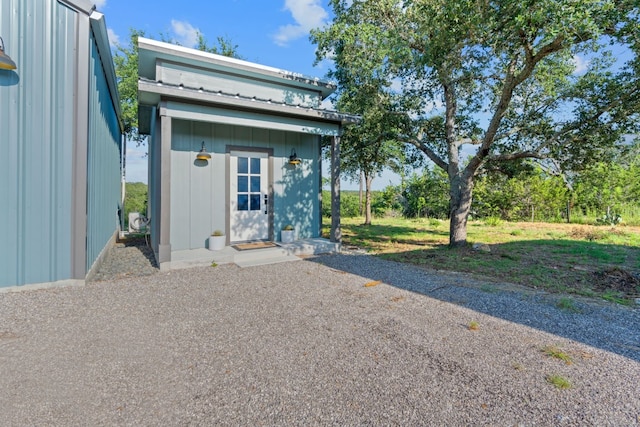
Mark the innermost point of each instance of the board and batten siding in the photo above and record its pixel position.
(36, 134)
(198, 204)
(103, 162)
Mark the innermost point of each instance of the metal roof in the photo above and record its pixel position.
(149, 51)
(150, 91)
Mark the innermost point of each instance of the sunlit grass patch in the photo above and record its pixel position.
(559, 381)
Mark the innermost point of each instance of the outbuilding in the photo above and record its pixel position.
(234, 146)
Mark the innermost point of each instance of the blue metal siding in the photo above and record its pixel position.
(36, 136)
(103, 163)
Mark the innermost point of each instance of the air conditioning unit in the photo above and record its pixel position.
(137, 222)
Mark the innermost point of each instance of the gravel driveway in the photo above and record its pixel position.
(307, 343)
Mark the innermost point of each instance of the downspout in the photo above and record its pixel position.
(123, 190)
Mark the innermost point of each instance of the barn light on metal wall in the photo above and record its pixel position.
(202, 154)
(293, 158)
(6, 63)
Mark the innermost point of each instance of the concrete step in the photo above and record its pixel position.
(257, 254)
(311, 247)
(252, 262)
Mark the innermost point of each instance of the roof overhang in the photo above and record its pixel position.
(152, 92)
(99, 28)
(149, 51)
(84, 6)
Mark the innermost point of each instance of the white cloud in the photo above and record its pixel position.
(581, 64)
(308, 14)
(100, 4)
(186, 34)
(114, 39)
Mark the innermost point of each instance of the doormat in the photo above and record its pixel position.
(253, 245)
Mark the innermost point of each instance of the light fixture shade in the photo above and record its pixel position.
(202, 154)
(293, 158)
(6, 63)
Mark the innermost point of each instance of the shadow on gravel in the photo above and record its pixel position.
(606, 326)
(128, 258)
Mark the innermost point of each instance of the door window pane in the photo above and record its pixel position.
(243, 202)
(243, 165)
(243, 183)
(255, 184)
(255, 165)
(255, 202)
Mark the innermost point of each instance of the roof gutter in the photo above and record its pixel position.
(218, 98)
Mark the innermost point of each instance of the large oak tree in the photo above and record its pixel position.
(500, 77)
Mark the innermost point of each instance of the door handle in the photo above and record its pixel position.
(266, 203)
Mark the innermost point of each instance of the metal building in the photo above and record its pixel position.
(61, 142)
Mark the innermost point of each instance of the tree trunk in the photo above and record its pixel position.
(367, 210)
(459, 207)
(360, 206)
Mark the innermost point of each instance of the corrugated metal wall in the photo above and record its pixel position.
(103, 168)
(36, 139)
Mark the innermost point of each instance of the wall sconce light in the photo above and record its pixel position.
(202, 154)
(6, 63)
(293, 158)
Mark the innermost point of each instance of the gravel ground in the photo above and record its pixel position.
(308, 343)
(129, 257)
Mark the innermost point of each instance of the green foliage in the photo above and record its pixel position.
(530, 195)
(223, 46)
(426, 195)
(387, 202)
(126, 65)
(567, 304)
(610, 218)
(135, 199)
(492, 221)
(349, 204)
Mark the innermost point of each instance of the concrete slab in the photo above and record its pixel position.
(282, 253)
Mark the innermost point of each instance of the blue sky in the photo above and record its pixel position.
(269, 32)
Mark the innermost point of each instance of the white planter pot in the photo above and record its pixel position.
(287, 236)
(217, 243)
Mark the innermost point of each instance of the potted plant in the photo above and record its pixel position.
(287, 234)
(217, 241)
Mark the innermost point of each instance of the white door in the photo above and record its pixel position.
(249, 216)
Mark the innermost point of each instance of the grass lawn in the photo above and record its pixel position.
(566, 258)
